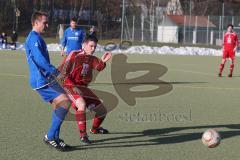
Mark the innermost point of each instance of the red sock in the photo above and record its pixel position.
(221, 68)
(81, 122)
(97, 121)
(231, 68)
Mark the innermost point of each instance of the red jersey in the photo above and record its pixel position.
(77, 67)
(230, 40)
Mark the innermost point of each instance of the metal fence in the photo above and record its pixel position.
(184, 29)
(132, 20)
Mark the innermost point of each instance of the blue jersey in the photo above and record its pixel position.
(38, 60)
(72, 39)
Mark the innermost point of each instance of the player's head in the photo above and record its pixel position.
(73, 23)
(230, 28)
(39, 21)
(90, 44)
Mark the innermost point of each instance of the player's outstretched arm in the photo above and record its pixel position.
(63, 53)
(66, 67)
(100, 64)
(63, 43)
(39, 60)
(237, 44)
(106, 56)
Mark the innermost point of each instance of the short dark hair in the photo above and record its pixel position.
(230, 25)
(90, 38)
(37, 15)
(74, 19)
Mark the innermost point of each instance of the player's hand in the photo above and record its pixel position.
(106, 56)
(234, 50)
(92, 31)
(63, 53)
(60, 78)
(77, 91)
(56, 76)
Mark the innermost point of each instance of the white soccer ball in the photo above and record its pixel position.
(211, 138)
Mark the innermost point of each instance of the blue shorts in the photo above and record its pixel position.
(50, 92)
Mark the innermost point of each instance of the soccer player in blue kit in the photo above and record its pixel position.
(72, 38)
(43, 77)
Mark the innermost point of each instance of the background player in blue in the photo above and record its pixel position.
(72, 38)
(43, 79)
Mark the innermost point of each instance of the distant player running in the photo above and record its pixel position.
(78, 68)
(230, 44)
(42, 79)
(72, 38)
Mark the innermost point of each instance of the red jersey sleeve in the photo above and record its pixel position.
(237, 42)
(98, 64)
(67, 67)
(224, 38)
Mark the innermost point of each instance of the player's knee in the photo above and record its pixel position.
(81, 105)
(61, 101)
(101, 111)
(65, 104)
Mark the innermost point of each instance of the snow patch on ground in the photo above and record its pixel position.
(165, 50)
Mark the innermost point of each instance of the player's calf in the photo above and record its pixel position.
(221, 69)
(231, 70)
(101, 113)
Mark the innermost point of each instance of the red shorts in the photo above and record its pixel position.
(92, 101)
(229, 53)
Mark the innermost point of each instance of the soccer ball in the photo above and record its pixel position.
(211, 138)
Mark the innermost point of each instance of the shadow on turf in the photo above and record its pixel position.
(159, 137)
(187, 82)
(148, 83)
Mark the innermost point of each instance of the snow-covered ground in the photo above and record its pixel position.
(165, 50)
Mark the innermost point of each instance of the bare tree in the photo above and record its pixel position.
(7, 14)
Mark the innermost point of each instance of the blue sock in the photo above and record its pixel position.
(58, 116)
(57, 133)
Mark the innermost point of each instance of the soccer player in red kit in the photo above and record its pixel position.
(77, 71)
(230, 44)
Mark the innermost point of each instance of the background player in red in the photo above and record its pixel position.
(77, 69)
(230, 44)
